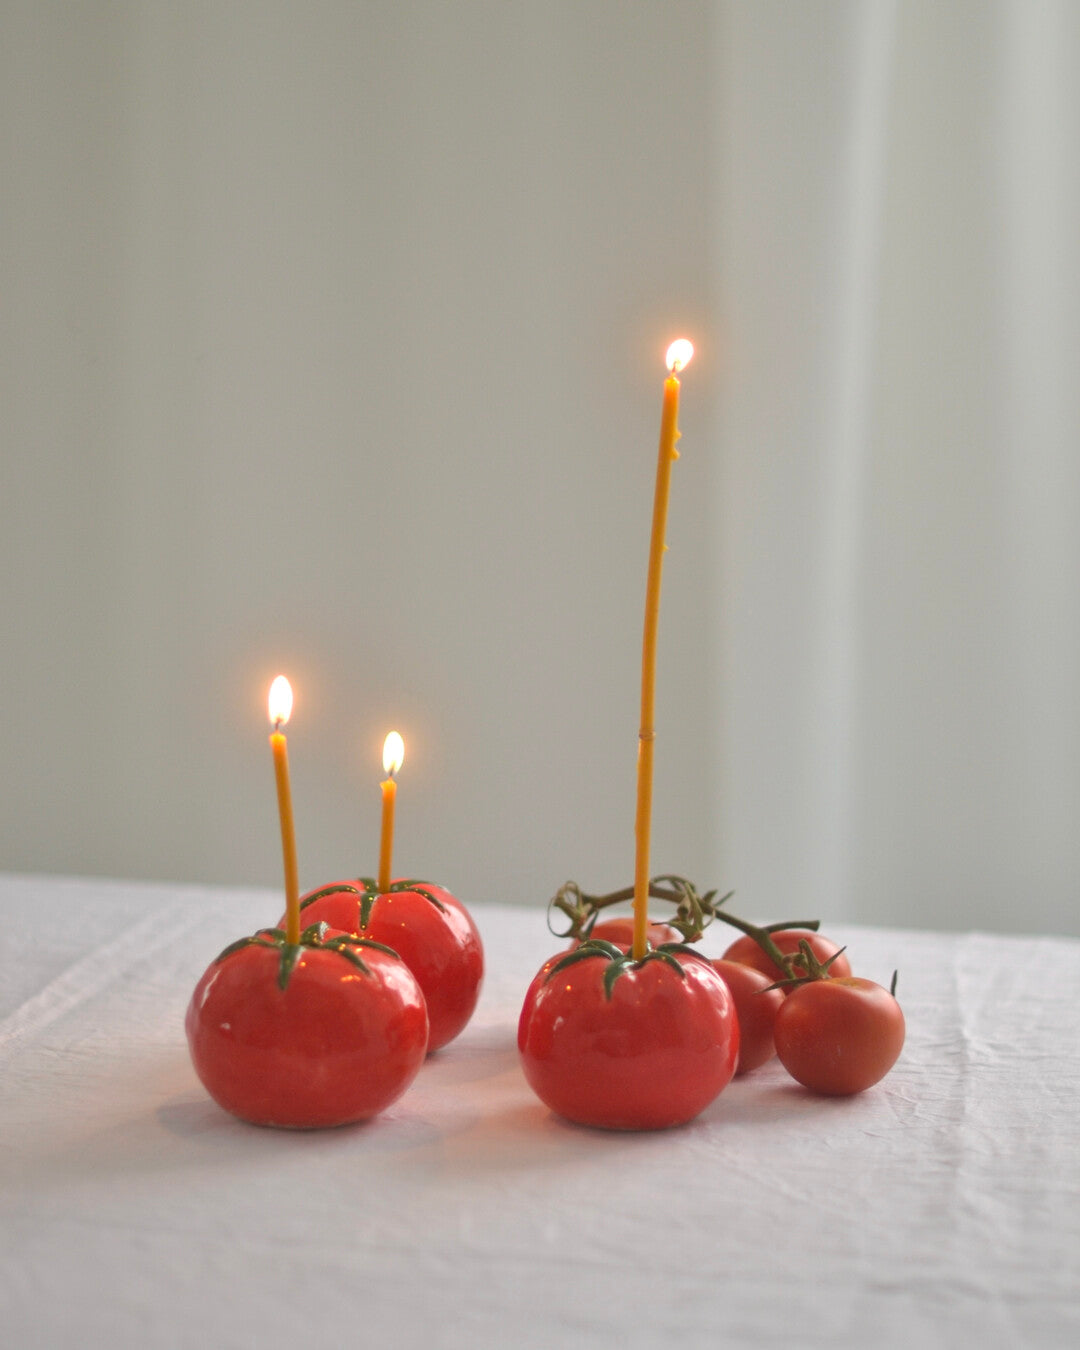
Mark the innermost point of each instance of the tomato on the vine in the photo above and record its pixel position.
(756, 1006)
(322, 1033)
(839, 1035)
(747, 951)
(431, 931)
(628, 1045)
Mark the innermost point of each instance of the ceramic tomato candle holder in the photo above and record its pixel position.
(429, 928)
(625, 1044)
(322, 1032)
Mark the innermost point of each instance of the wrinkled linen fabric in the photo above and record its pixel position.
(941, 1207)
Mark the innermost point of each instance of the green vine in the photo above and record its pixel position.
(694, 912)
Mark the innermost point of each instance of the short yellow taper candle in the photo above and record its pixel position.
(281, 701)
(678, 355)
(393, 756)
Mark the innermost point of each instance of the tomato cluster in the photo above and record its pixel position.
(611, 1041)
(834, 1032)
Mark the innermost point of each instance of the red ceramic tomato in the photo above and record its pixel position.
(747, 951)
(430, 930)
(621, 932)
(756, 1006)
(343, 1038)
(535, 985)
(628, 1045)
(839, 1036)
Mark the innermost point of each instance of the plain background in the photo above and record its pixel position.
(332, 345)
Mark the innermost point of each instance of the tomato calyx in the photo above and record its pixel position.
(314, 936)
(367, 890)
(809, 963)
(619, 962)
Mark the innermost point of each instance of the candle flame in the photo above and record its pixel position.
(679, 354)
(280, 702)
(393, 754)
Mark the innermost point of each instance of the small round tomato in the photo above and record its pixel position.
(628, 1045)
(431, 931)
(621, 931)
(756, 1006)
(839, 1036)
(748, 953)
(343, 1038)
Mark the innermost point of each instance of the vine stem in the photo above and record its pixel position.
(762, 936)
(627, 893)
(695, 913)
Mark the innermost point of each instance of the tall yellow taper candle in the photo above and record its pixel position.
(393, 756)
(678, 355)
(281, 701)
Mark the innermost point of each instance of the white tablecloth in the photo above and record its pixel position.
(940, 1208)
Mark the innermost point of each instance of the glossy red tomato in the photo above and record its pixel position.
(839, 1036)
(335, 1045)
(431, 931)
(645, 1050)
(621, 931)
(756, 1006)
(747, 951)
(535, 985)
